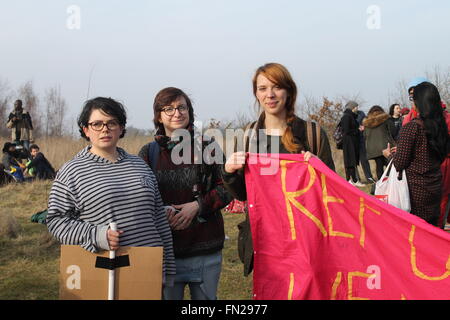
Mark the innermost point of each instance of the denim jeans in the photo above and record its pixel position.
(200, 273)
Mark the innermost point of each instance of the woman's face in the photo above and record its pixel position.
(397, 111)
(175, 116)
(271, 97)
(107, 137)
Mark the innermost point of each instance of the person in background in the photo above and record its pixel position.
(404, 112)
(39, 166)
(377, 131)
(194, 191)
(350, 143)
(19, 121)
(422, 146)
(445, 168)
(412, 84)
(10, 162)
(104, 184)
(395, 113)
(362, 149)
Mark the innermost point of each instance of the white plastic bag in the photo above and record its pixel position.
(392, 190)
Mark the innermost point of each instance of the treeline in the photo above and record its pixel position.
(50, 116)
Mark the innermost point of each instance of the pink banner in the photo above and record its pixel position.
(317, 237)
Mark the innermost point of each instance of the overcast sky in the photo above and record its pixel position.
(211, 48)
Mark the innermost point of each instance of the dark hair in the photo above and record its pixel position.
(165, 97)
(7, 145)
(34, 146)
(375, 109)
(107, 105)
(428, 102)
(391, 109)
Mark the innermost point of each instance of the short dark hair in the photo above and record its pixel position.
(34, 146)
(107, 105)
(165, 97)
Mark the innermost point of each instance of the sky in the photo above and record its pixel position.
(129, 50)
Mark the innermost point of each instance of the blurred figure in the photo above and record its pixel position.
(396, 118)
(21, 126)
(350, 144)
(362, 149)
(377, 131)
(412, 84)
(404, 112)
(10, 162)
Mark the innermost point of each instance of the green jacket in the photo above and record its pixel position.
(311, 137)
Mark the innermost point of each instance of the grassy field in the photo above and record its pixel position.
(29, 259)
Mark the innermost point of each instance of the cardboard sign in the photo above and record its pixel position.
(84, 275)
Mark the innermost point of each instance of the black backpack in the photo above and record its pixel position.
(338, 136)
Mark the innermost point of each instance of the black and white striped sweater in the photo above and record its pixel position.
(89, 192)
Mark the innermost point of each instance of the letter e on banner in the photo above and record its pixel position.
(374, 281)
(74, 280)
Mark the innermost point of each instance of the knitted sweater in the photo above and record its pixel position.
(89, 192)
(176, 181)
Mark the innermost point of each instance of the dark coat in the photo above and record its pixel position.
(350, 142)
(235, 184)
(44, 169)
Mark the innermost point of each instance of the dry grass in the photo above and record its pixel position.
(29, 259)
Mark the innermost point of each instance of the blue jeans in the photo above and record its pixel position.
(200, 273)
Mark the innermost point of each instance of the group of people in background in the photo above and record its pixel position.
(416, 141)
(157, 201)
(22, 159)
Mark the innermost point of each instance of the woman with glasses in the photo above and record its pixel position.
(104, 184)
(193, 190)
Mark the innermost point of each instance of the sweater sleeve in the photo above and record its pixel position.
(217, 197)
(235, 183)
(64, 224)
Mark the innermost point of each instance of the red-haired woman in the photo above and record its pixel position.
(276, 93)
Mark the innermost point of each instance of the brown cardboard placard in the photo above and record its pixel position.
(80, 279)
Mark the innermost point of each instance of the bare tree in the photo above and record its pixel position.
(439, 76)
(5, 100)
(55, 112)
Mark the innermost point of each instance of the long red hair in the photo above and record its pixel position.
(279, 75)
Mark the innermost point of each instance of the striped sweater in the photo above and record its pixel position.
(89, 192)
